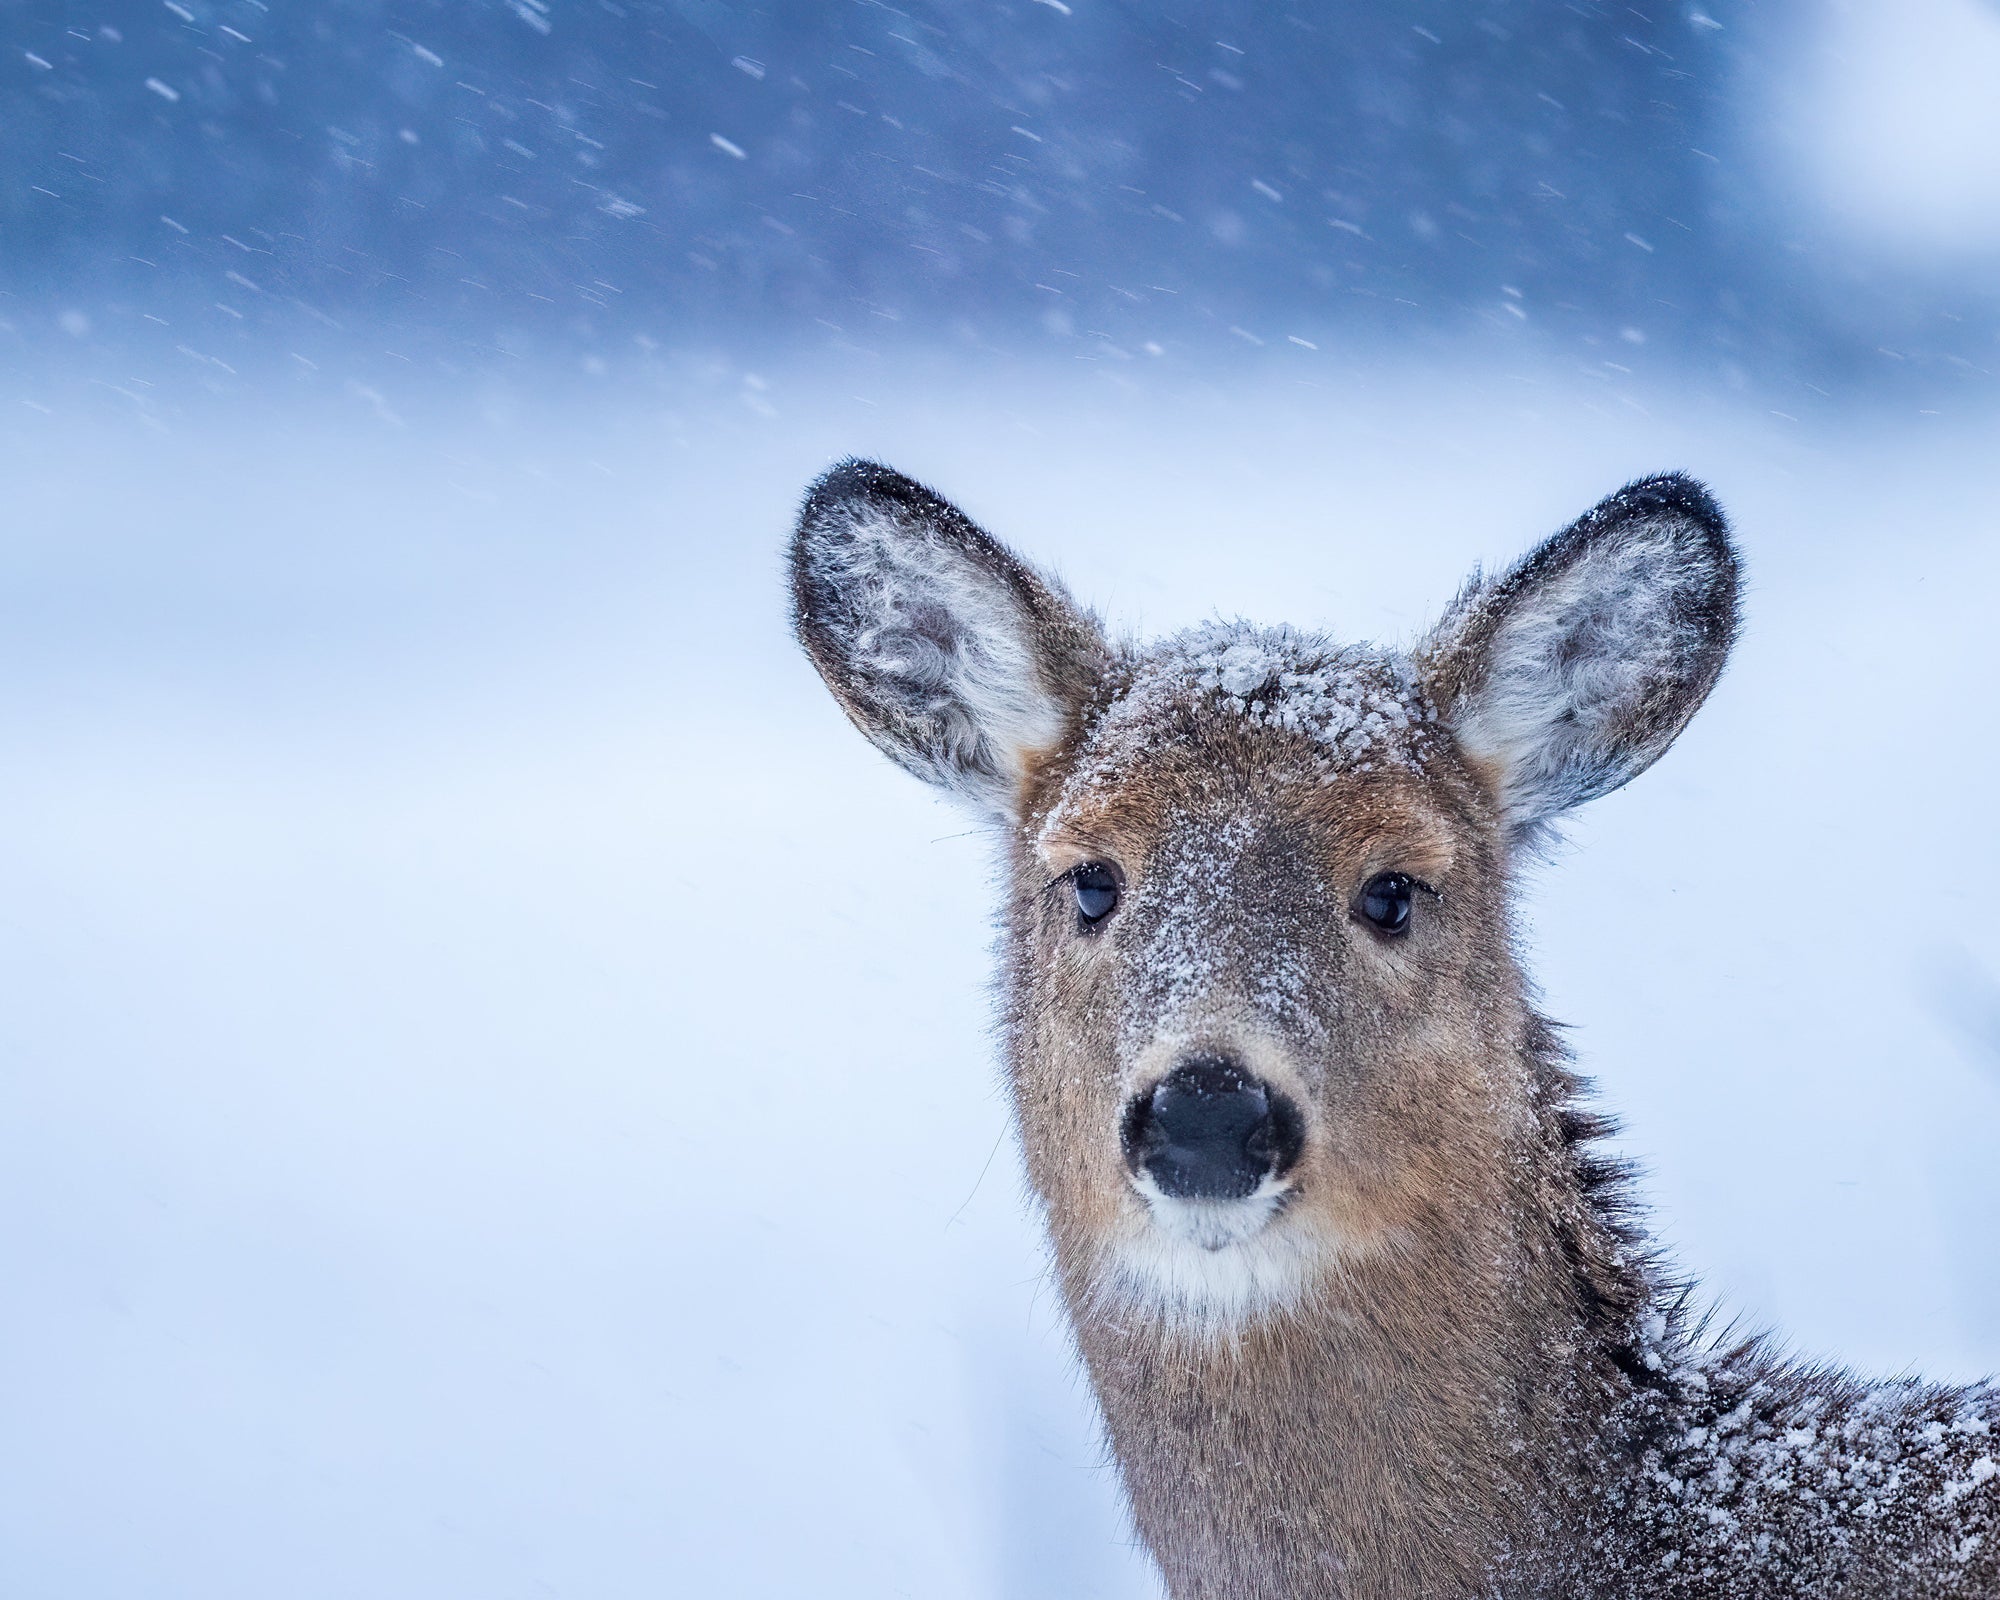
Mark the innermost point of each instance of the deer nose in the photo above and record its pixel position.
(1209, 1130)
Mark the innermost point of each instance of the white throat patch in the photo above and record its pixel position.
(1208, 1266)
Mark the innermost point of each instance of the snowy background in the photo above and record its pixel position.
(494, 1098)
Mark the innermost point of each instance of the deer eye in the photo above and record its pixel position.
(1096, 889)
(1385, 900)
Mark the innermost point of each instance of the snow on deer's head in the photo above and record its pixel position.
(1263, 1017)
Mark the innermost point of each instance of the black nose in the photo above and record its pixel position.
(1211, 1131)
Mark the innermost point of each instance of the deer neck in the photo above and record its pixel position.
(1401, 1431)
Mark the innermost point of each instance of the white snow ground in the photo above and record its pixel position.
(493, 1098)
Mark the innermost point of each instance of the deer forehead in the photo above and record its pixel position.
(1231, 736)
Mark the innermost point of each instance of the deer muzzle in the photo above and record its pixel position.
(1210, 1130)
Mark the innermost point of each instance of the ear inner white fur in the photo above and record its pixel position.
(1576, 670)
(946, 650)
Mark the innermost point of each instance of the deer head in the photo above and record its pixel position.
(1263, 1017)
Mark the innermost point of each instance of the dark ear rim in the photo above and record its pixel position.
(1072, 656)
(1469, 625)
(855, 479)
(1458, 657)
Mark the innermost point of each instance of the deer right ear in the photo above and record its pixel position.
(1574, 670)
(949, 652)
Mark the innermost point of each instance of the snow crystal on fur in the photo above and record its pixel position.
(1360, 704)
(1752, 1474)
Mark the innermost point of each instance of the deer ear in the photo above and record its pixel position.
(1575, 670)
(947, 650)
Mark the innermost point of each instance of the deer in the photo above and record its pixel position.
(1368, 1310)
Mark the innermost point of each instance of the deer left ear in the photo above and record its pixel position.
(957, 658)
(1574, 671)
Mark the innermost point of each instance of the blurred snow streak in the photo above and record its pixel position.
(494, 1098)
(465, 180)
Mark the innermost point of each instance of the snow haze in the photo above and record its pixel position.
(1887, 121)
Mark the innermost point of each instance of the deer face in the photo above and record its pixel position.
(1259, 940)
(1262, 1014)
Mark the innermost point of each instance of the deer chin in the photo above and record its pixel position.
(1206, 1266)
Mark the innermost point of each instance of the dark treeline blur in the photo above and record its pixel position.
(1132, 173)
